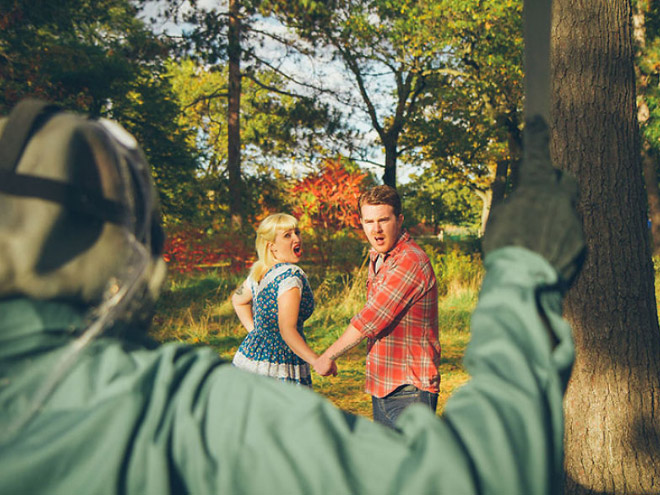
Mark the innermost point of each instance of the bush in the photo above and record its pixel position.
(457, 271)
(194, 249)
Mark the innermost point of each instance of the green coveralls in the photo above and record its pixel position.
(126, 419)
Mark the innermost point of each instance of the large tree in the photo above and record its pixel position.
(247, 100)
(613, 399)
(469, 130)
(388, 50)
(237, 198)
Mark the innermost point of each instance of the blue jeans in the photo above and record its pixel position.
(387, 409)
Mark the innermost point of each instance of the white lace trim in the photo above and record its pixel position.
(275, 370)
(287, 284)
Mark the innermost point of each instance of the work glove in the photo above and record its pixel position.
(540, 213)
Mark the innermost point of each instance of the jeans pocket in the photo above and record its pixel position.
(405, 392)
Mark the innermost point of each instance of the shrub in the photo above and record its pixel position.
(194, 249)
(457, 271)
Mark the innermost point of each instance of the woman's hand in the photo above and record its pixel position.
(325, 366)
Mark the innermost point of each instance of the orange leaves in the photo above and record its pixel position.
(328, 199)
(325, 203)
(192, 250)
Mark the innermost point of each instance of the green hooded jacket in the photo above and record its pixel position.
(175, 419)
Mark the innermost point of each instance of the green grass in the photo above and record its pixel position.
(196, 309)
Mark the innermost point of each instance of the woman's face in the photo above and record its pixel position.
(287, 247)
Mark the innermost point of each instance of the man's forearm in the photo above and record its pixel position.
(349, 339)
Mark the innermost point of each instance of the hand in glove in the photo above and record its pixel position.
(540, 214)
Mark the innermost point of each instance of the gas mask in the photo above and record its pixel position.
(79, 215)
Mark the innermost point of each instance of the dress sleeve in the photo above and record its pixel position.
(500, 433)
(293, 280)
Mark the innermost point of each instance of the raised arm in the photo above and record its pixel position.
(500, 433)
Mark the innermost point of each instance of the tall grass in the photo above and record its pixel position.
(196, 309)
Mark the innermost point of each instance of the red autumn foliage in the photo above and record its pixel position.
(324, 202)
(192, 250)
(328, 199)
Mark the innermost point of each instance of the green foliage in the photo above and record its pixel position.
(648, 63)
(457, 272)
(195, 309)
(437, 202)
(98, 58)
(67, 51)
(269, 122)
(386, 47)
(471, 120)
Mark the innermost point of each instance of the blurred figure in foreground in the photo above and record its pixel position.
(86, 408)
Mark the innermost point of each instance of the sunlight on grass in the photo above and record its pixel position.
(197, 310)
(454, 321)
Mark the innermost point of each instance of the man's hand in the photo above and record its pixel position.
(325, 366)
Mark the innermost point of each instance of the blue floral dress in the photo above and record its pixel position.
(264, 351)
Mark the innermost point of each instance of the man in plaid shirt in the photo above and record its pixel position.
(400, 318)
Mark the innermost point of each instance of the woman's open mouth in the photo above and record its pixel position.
(297, 250)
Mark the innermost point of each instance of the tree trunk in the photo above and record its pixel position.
(498, 186)
(390, 145)
(486, 198)
(613, 399)
(236, 198)
(514, 145)
(515, 152)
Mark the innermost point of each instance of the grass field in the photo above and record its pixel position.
(196, 309)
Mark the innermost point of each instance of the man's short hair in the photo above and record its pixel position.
(381, 195)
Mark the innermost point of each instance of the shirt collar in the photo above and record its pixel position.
(398, 246)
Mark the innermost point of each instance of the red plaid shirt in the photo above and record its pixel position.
(400, 320)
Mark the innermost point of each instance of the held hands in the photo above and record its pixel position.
(325, 366)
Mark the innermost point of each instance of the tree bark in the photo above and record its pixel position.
(486, 198)
(613, 399)
(498, 186)
(390, 145)
(236, 198)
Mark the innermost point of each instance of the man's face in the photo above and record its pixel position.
(381, 225)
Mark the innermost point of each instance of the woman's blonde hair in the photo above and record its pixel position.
(266, 233)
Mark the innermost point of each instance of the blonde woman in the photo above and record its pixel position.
(272, 304)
